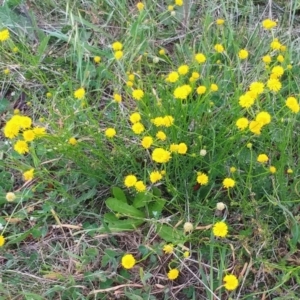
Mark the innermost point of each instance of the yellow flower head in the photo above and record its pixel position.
(28, 135)
(242, 123)
(97, 59)
(110, 132)
(135, 117)
(262, 158)
(232, 169)
(220, 21)
(256, 88)
(168, 248)
(220, 229)
(118, 54)
(272, 169)
(255, 127)
(155, 176)
(21, 147)
(160, 155)
(267, 59)
(138, 128)
(201, 90)
(172, 77)
(137, 94)
(179, 2)
(280, 58)
(228, 183)
(170, 8)
(183, 69)
(292, 104)
(161, 135)
(263, 118)
(117, 97)
(168, 121)
(79, 94)
(11, 129)
(162, 52)
(174, 148)
(214, 87)
(130, 181)
(246, 100)
(2, 240)
(147, 141)
(28, 175)
(173, 274)
(275, 44)
(72, 141)
(128, 261)
(140, 186)
(200, 58)
(243, 54)
(268, 24)
(277, 71)
(230, 282)
(140, 6)
(202, 178)
(290, 171)
(219, 48)
(182, 148)
(4, 35)
(274, 84)
(182, 92)
(117, 46)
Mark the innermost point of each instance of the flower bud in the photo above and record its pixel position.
(203, 152)
(10, 197)
(220, 206)
(188, 227)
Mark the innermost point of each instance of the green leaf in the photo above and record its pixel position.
(124, 225)
(141, 200)
(123, 208)
(157, 206)
(4, 105)
(119, 194)
(170, 234)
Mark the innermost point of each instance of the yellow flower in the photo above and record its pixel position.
(280, 58)
(160, 155)
(129, 83)
(214, 87)
(173, 274)
(290, 171)
(182, 92)
(219, 48)
(131, 77)
(277, 71)
(11, 129)
(48, 95)
(168, 121)
(228, 183)
(232, 169)
(6, 71)
(195, 75)
(10, 197)
(128, 261)
(117, 97)
(79, 94)
(28, 175)
(135, 117)
(155, 176)
(97, 59)
(118, 54)
(292, 104)
(161, 135)
(282, 48)
(72, 141)
(230, 282)
(130, 181)
(2, 240)
(242, 123)
(182, 148)
(256, 88)
(170, 8)
(4, 35)
(255, 127)
(28, 135)
(289, 67)
(263, 118)
(202, 178)
(158, 121)
(162, 52)
(268, 24)
(249, 145)
(140, 6)
(137, 94)
(147, 141)
(243, 54)
(274, 84)
(262, 158)
(201, 90)
(183, 69)
(246, 100)
(21, 147)
(117, 46)
(220, 229)
(272, 169)
(275, 44)
(172, 77)
(267, 59)
(200, 58)
(23, 121)
(140, 186)
(168, 248)
(174, 148)
(110, 132)
(138, 128)
(220, 21)
(186, 254)
(179, 2)
(15, 49)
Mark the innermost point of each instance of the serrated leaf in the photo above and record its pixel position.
(119, 194)
(123, 208)
(141, 200)
(157, 206)
(124, 225)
